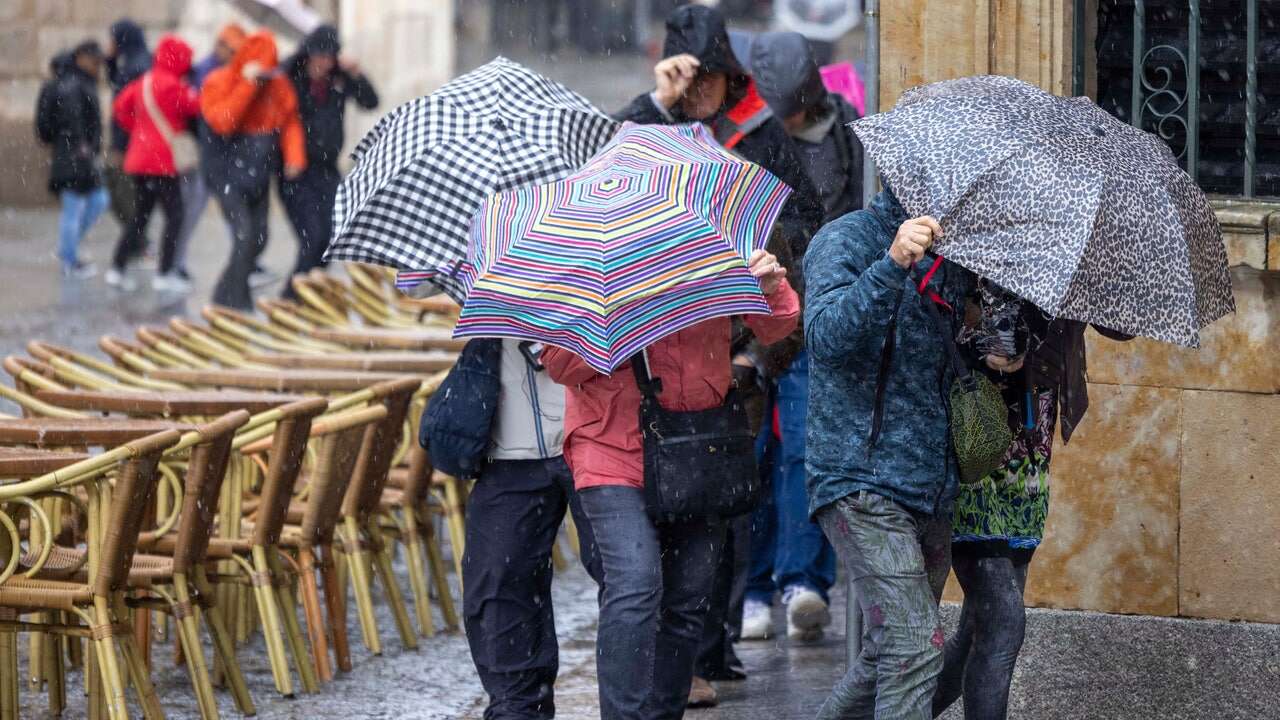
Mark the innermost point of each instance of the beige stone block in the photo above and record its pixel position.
(1246, 248)
(1230, 540)
(96, 12)
(53, 11)
(1238, 352)
(18, 55)
(1112, 539)
(11, 10)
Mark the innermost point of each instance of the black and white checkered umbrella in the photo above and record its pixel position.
(1058, 202)
(423, 170)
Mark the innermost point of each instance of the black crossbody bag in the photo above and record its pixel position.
(697, 464)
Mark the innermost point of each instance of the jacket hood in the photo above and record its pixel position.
(786, 72)
(62, 64)
(128, 36)
(700, 31)
(259, 47)
(173, 55)
(323, 40)
(232, 35)
(888, 210)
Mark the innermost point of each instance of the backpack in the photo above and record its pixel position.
(458, 420)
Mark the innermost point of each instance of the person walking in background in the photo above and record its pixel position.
(127, 59)
(700, 80)
(153, 109)
(252, 113)
(881, 470)
(69, 121)
(789, 553)
(195, 188)
(657, 577)
(324, 81)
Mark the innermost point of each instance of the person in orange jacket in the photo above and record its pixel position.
(154, 109)
(252, 111)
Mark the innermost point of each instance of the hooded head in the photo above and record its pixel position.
(322, 41)
(699, 31)
(317, 56)
(787, 74)
(127, 37)
(259, 47)
(230, 38)
(87, 58)
(62, 63)
(173, 55)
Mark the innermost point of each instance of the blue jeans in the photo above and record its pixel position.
(653, 602)
(79, 212)
(787, 549)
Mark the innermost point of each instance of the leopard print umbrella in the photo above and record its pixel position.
(1059, 202)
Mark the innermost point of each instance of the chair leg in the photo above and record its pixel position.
(35, 656)
(335, 600)
(457, 523)
(309, 588)
(112, 680)
(188, 632)
(139, 674)
(435, 560)
(417, 579)
(359, 568)
(269, 617)
(55, 672)
(391, 586)
(9, 670)
(288, 600)
(226, 649)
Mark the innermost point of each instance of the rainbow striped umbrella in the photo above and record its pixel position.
(649, 237)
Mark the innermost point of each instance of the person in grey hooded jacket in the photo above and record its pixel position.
(881, 471)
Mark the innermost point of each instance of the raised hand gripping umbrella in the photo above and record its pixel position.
(423, 171)
(1058, 202)
(650, 237)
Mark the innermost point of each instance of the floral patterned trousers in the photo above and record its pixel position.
(898, 561)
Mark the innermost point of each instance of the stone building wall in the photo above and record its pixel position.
(406, 46)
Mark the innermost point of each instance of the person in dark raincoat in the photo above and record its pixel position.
(701, 80)
(324, 81)
(127, 59)
(788, 552)
(69, 121)
(882, 474)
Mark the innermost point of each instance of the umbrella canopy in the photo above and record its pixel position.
(290, 18)
(423, 171)
(650, 237)
(1058, 202)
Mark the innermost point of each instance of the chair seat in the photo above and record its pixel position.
(151, 569)
(38, 594)
(219, 547)
(62, 563)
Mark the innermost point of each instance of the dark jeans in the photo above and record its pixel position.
(247, 216)
(308, 201)
(787, 548)
(898, 562)
(150, 190)
(980, 658)
(513, 515)
(716, 657)
(657, 583)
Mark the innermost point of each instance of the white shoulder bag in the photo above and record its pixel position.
(186, 153)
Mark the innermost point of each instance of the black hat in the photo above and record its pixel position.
(88, 47)
(699, 31)
(322, 41)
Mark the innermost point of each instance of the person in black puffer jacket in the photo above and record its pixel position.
(323, 82)
(128, 58)
(69, 120)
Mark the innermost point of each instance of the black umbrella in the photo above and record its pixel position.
(1058, 202)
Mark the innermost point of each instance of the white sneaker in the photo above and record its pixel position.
(757, 621)
(81, 270)
(171, 283)
(119, 280)
(260, 277)
(807, 613)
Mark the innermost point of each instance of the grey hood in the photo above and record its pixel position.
(786, 73)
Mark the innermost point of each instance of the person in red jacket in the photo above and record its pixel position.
(657, 578)
(154, 109)
(252, 111)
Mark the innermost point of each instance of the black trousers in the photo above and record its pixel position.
(513, 515)
(716, 657)
(247, 216)
(308, 201)
(150, 190)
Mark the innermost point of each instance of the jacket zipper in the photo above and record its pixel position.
(537, 410)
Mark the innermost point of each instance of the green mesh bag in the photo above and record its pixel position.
(979, 426)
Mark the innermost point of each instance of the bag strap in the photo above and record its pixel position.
(649, 386)
(153, 111)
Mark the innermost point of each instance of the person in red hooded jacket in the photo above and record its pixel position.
(154, 109)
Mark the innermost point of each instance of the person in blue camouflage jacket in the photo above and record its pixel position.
(881, 471)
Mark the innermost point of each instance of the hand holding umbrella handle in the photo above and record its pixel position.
(913, 240)
(765, 268)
